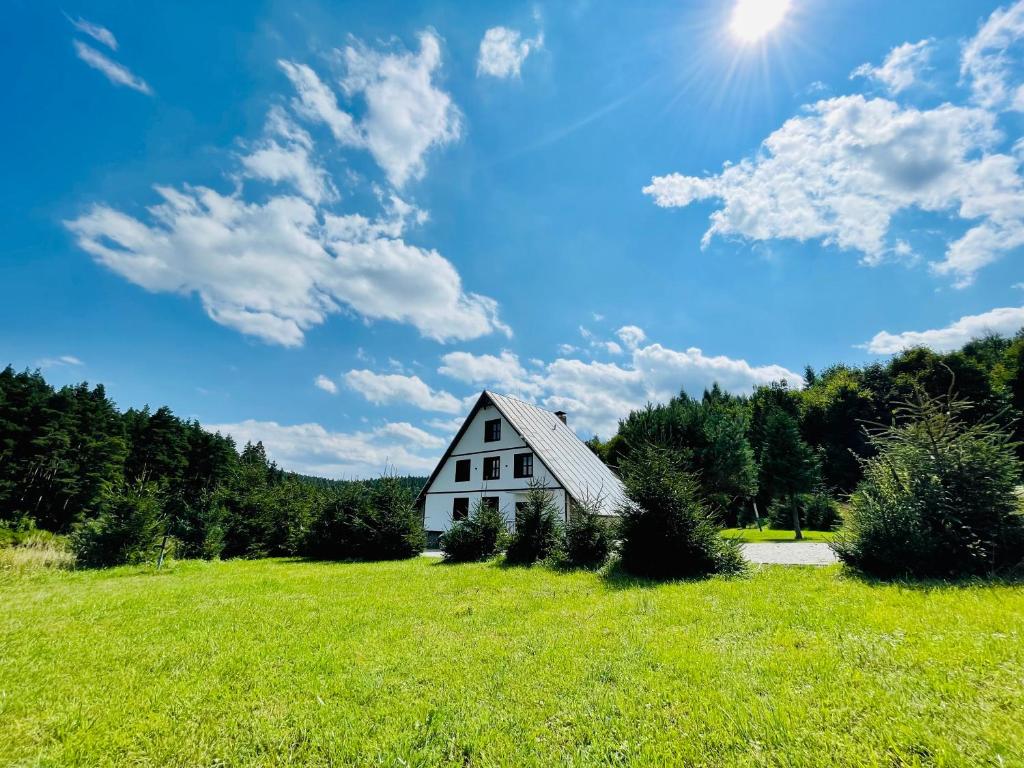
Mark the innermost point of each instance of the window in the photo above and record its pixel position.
(460, 508)
(492, 430)
(520, 506)
(523, 465)
(491, 502)
(492, 468)
(462, 471)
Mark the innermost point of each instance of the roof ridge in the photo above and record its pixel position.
(520, 400)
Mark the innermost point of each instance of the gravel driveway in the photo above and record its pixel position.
(790, 553)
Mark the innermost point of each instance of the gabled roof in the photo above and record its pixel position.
(576, 468)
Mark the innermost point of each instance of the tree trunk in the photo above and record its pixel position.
(796, 518)
(757, 515)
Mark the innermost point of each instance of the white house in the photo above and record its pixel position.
(503, 446)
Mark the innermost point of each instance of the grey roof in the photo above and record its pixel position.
(577, 468)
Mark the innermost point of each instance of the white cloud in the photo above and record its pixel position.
(447, 426)
(1005, 321)
(95, 31)
(503, 371)
(598, 394)
(990, 65)
(56, 362)
(503, 51)
(611, 347)
(841, 172)
(901, 67)
(276, 269)
(326, 384)
(406, 113)
(116, 73)
(631, 336)
(391, 388)
(289, 160)
(312, 449)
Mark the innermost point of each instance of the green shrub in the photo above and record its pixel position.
(588, 538)
(537, 533)
(482, 535)
(394, 528)
(127, 529)
(337, 526)
(665, 529)
(938, 499)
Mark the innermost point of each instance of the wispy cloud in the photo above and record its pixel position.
(326, 384)
(503, 51)
(116, 73)
(95, 31)
(56, 362)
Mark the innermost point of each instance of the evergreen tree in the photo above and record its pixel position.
(788, 466)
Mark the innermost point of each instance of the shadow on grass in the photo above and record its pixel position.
(850, 573)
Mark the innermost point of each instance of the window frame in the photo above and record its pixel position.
(460, 464)
(460, 514)
(491, 501)
(495, 463)
(496, 424)
(518, 462)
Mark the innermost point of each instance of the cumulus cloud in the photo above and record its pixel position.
(1005, 321)
(597, 394)
(277, 266)
(990, 61)
(115, 73)
(901, 67)
(406, 113)
(326, 384)
(631, 336)
(391, 388)
(98, 33)
(285, 157)
(313, 450)
(843, 170)
(503, 51)
(503, 371)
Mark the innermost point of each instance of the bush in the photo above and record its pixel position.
(588, 538)
(127, 529)
(367, 521)
(666, 531)
(537, 532)
(482, 535)
(938, 499)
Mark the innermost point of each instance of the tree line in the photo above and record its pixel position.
(122, 485)
(790, 452)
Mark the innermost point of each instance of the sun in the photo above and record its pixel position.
(753, 19)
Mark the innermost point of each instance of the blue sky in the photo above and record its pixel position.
(327, 225)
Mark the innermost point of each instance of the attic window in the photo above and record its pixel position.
(492, 430)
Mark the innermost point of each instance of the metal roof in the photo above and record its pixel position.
(577, 468)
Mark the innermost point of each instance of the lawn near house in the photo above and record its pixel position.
(776, 534)
(419, 663)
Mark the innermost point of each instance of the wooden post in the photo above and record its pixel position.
(757, 516)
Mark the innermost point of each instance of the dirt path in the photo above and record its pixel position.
(790, 553)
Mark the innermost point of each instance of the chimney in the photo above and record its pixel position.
(561, 415)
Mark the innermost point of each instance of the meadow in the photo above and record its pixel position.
(278, 662)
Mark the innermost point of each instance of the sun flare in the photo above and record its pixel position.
(753, 19)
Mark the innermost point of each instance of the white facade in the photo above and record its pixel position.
(439, 498)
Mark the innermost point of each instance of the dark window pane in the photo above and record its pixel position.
(524, 465)
(490, 502)
(492, 430)
(492, 468)
(460, 508)
(462, 470)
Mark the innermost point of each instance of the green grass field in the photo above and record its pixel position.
(278, 662)
(776, 534)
